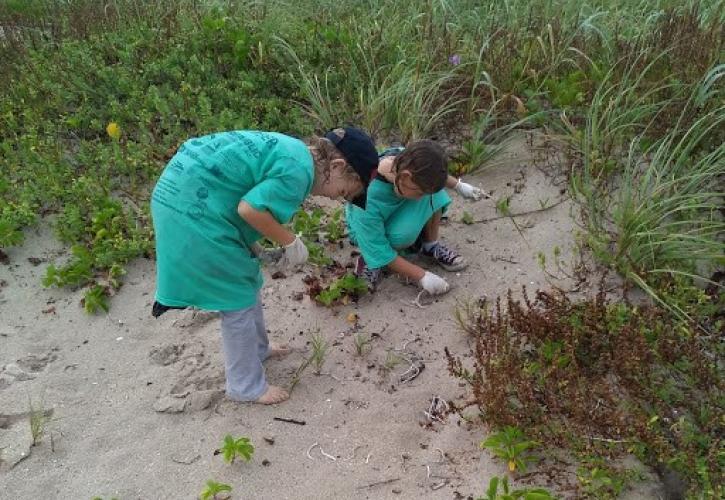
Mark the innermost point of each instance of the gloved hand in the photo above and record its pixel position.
(469, 191)
(266, 255)
(295, 254)
(434, 284)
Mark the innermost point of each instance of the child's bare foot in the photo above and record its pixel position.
(277, 351)
(273, 396)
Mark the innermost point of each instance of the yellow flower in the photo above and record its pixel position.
(113, 130)
(512, 465)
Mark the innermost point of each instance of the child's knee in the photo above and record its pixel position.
(403, 240)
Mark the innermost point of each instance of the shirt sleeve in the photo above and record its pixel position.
(368, 227)
(282, 192)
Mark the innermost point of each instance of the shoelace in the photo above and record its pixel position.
(444, 254)
(371, 275)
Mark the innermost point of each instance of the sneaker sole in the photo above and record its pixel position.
(450, 268)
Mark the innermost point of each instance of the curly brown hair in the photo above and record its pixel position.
(324, 152)
(427, 163)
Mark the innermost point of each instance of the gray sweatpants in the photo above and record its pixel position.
(245, 348)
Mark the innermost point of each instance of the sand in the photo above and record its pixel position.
(135, 405)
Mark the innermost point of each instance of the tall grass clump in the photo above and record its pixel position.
(653, 207)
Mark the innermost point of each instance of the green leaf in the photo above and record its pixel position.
(492, 488)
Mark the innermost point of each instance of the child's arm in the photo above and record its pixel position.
(466, 190)
(295, 251)
(407, 269)
(264, 223)
(431, 283)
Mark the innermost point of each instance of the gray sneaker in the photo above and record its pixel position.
(447, 258)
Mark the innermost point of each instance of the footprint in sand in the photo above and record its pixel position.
(16, 440)
(195, 318)
(36, 363)
(25, 368)
(198, 384)
(167, 355)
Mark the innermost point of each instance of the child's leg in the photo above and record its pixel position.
(265, 348)
(431, 228)
(245, 347)
(242, 355)
(444, 256)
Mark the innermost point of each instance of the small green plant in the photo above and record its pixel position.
(598, 482)
(320, 347)
(467, 218)
(213, 490)
(37, 420)
(541, 259)
(308, 224)
(95, 299)
(335, 227)
(317, 254)
(10, 235)
(488, 138)
(512, 494)
(391, 361)
(236, 447)
(298, 373)
(342, 290)
(511, 445)
(362, 344)
(502, 205)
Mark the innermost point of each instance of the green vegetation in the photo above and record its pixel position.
(598, 378)
(511, 445)
(215, 491)
(342, 290)
(507, 493)
(96, 97)
(239, 447)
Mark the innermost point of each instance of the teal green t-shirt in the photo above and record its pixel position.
(390, 222)
(203, 256)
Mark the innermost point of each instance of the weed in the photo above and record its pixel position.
(298, 373)
(37, 420)
(467, 218)
(335, 226)
(502, 205)
(391, 361)
(320, 348)
(317, 254)
(233, 448)
(492, 493)
(488, 140)
(95, 299)
(603, 481)
(348, 287)
(213, 490)
(362, 344)
(511, 445)
(308, 224)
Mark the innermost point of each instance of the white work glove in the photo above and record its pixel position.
(470, 191)
(433, 284)
(295, 254)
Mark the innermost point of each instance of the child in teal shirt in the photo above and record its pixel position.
(404, 204)
(220, 194)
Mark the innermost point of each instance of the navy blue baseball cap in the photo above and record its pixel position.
(359, 150)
